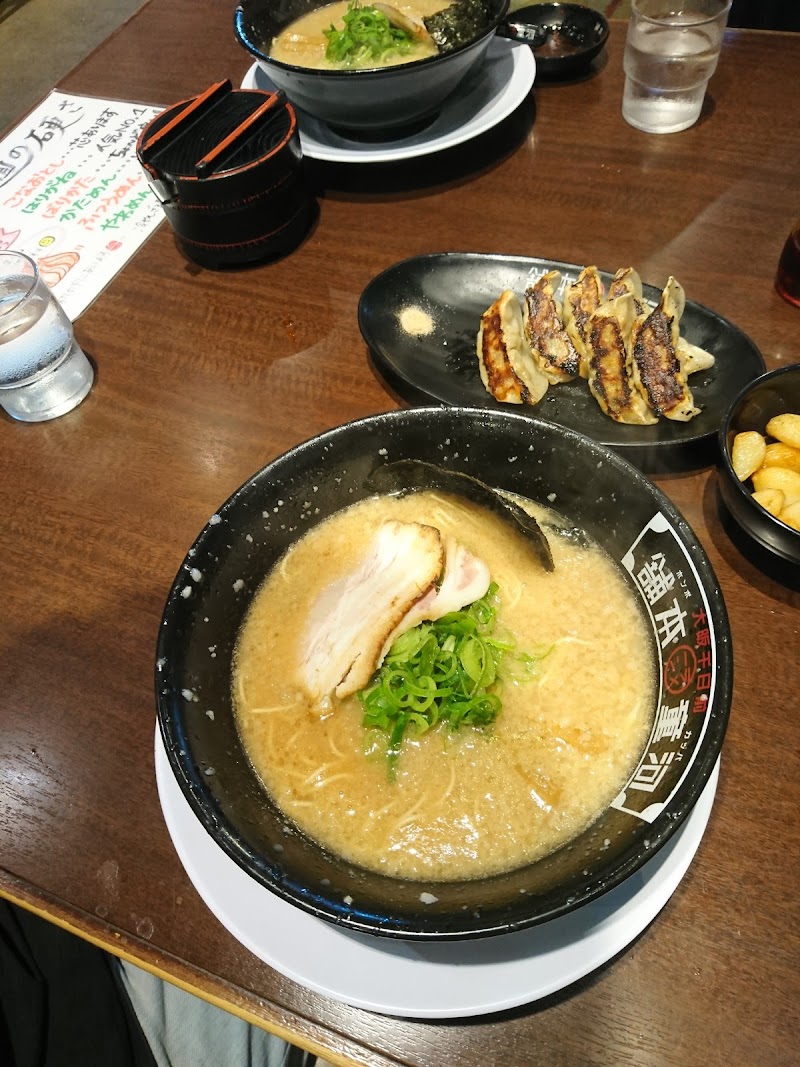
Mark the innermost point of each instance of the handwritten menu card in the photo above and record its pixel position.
(73, 195)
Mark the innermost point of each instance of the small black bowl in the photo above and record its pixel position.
(658, 555)
(776, 393)
(565, 38)
(370, 100)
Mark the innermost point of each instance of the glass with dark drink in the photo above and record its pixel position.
(787, 280)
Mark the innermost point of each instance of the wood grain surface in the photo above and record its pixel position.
(203, 377)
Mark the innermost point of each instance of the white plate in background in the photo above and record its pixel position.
(482, 101)
(424, 980)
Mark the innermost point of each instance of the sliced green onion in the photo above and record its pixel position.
(366, 38)
(443, 671)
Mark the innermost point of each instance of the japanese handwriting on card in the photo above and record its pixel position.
(73, 194)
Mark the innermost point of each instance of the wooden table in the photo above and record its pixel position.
(204, 377)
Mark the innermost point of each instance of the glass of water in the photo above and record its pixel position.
(671, 51)
(43, 372)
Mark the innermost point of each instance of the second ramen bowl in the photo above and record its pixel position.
(375, 101)
(658, 556)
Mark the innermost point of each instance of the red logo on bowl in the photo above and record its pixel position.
(680, 669)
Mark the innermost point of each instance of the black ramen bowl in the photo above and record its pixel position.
(565, 38)
(776, 393)
(371, 100)
(658, 556)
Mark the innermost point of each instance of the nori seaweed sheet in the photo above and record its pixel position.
(462, 22)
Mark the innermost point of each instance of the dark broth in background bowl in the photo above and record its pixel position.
(370, 100)
(659, 558)
(565, 38)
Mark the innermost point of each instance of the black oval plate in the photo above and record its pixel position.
(455, 288)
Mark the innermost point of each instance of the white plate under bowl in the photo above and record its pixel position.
(417, 979)
(482, 101)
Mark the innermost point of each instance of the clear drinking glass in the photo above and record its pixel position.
(671, 51)
(43, 372)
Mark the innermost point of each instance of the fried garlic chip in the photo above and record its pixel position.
(791, 515)
(785, 428)
(747, 453)
(782, 478)
(771, 500)
(778, 454)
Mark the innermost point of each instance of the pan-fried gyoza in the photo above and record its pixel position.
(657, 359)
(553, 351)
(613, 377)
(505, 361)
(633, 356)
(581, 299)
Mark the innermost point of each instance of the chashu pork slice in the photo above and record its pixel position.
(551, 347)
(658, 358)
(583, 297)
(466, 579)
(506, 365)
(611, 377)
(353, 618)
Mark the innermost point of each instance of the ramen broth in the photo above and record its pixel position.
(303, 42)
(463, 804)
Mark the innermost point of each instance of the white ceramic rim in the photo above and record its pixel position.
(492, 106)
(418, 979)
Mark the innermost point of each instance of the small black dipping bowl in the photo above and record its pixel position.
(369, 100)
(602, 494)
(565, 38)
(776, 393)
